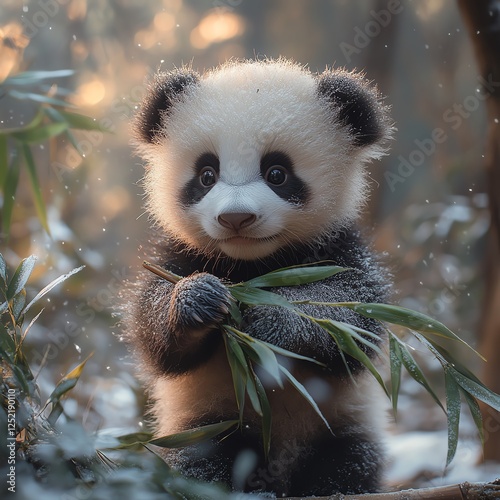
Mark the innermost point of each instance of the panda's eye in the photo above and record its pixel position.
(208, 176)
(276, 175)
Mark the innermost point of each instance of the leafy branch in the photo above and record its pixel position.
(16, 371)
(51, 120)
(245, 352)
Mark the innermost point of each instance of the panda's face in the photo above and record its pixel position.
(249, 162)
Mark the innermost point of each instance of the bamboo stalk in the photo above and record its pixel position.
(462, 491)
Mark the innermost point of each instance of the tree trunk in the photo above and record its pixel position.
(482, 18)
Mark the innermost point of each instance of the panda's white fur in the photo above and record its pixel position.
(240, 112)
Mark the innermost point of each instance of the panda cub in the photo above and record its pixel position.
(251, 167)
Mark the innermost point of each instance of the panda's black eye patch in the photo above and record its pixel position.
(277, 170)
(206, 174)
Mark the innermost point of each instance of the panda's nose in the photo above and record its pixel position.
(236, 221)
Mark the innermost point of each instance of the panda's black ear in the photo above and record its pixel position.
(162, 93)
(356, 104)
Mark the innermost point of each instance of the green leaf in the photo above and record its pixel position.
(4, 160)
(9, 190)
(295, 276)
(479, 391)
(303, 392)
(80, 122)
(266, 414)
(30, 96)
(239, 371)
(475, 412)
(35, 77)
(395, 360)
(416, 373)
(18, 303)
(40, 134)
(7, 344)
(135, 438)
(291, 354)
(408, 318)
(258, 297)
(65, 385)
(453, 412)
(343, 336)
(253, 395)
(21, 276)
(50, 286)
(260, 353)
(35, 185)
(446, 358)
(194, 436)
(3, 273)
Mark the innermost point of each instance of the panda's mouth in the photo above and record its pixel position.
(247, 240)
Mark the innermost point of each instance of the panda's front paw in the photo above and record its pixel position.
(199, 302)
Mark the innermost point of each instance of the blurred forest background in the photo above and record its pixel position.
(429, 209)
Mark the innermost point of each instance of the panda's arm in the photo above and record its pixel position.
(285, 328)
(175, 327)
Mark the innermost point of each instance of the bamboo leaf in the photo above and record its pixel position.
(3, 274)
(31, 96)
(253, 395)
(67, 382)
(9, 191)
(446, 358)
(7, 344)
(295, 276)
(258, 297)
(291, 354)
(343, 336)
(239, 371)
(453, 413)
(80, 122)
(303, 392)
(416, 373)
(194, 436)
(266, 414)
(261, 354)
(34, 77)
(21, 276)
(408, 318)
(395, 360)
(475, 412)
(45, 290)
(35, 185)
(479, 391)
(40, 134)
(18, 302)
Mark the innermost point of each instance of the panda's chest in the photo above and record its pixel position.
(207, 395)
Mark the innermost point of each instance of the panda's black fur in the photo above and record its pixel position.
(188, 125)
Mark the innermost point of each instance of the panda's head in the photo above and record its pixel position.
(257, 155)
